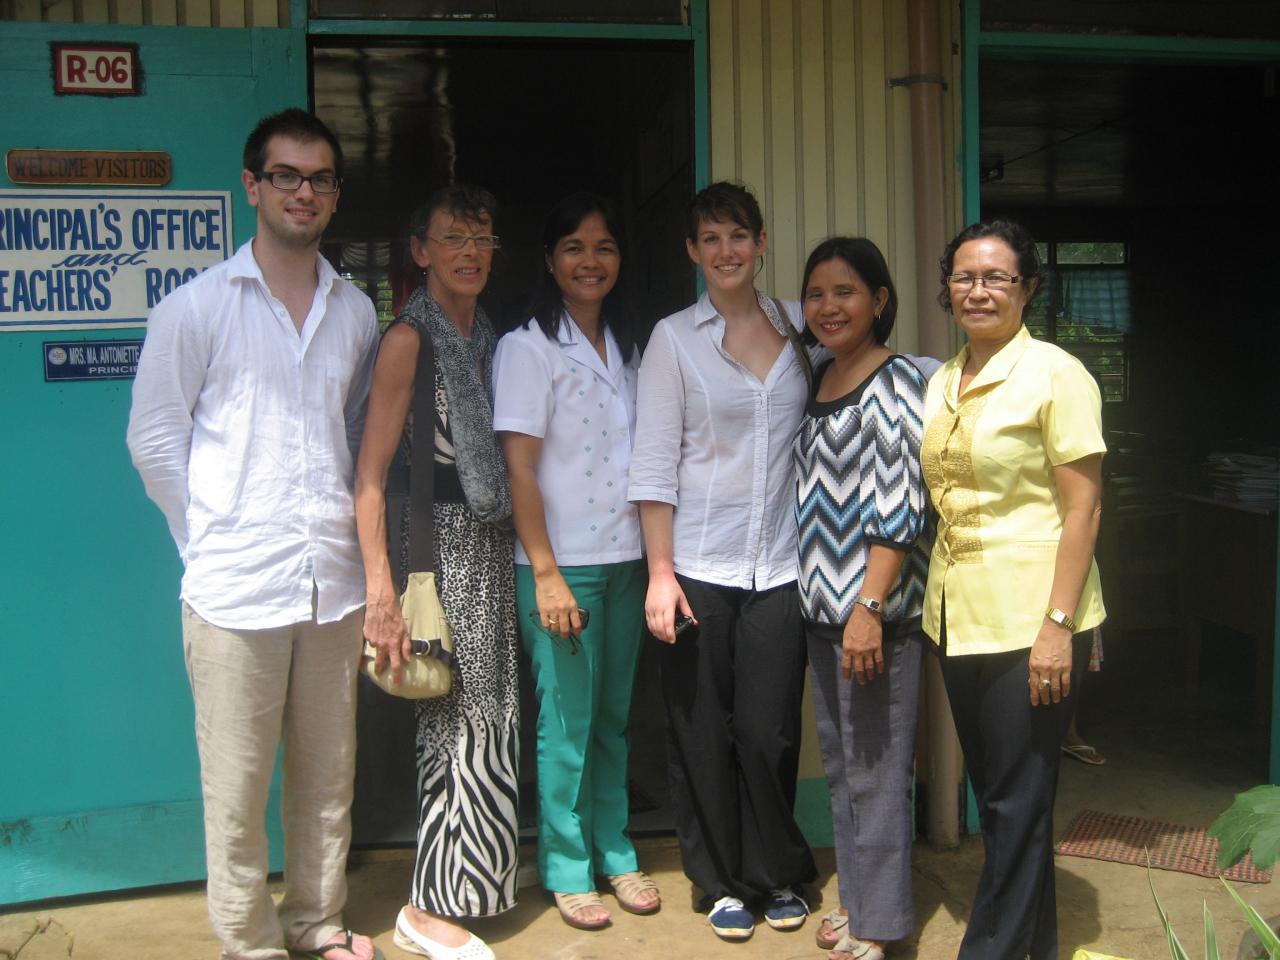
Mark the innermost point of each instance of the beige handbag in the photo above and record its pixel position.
(429, 671)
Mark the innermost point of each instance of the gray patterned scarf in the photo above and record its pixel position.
(481, 467)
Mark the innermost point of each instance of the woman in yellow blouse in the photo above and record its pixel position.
(1012, 456)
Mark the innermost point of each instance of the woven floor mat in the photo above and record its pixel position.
(1171, 846)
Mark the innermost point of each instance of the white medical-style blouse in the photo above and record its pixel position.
(585, 412)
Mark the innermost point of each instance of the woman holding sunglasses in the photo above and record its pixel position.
(565, 410)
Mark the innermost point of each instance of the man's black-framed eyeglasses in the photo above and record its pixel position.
(289, 181)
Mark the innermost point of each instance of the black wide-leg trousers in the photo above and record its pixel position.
(732, 687)
(1011, 752)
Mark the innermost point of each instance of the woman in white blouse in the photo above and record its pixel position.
(721, 394)
(565, 410)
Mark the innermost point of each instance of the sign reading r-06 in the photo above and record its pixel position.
(98, 69)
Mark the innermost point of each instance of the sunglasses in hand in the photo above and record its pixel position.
(571, 640)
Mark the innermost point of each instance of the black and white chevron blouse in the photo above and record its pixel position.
(858, 483)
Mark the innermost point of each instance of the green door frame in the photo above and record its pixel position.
(978, 43)
(694, 32)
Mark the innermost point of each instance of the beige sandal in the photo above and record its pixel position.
(571, 904)
(836, 922)
(630, 887)
(857, 949)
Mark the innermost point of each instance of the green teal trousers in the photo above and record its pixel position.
(584, 701)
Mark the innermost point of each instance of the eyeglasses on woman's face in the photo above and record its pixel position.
(991, 282)
(456, 241)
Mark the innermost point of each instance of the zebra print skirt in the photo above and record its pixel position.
(467, 742)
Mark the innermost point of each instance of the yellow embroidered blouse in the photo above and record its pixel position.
(988, 461)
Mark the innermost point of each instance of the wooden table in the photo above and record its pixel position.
(1228, 564)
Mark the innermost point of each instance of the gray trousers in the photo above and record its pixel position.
(868, 740)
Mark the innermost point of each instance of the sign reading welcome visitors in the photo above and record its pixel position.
(99, 260)
(132, 168)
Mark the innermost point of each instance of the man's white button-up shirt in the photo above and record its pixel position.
(245, 434)
(584, 409)
(715, 442)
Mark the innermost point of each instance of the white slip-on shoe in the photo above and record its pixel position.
(408, 938)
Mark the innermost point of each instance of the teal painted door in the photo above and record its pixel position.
(100, 787)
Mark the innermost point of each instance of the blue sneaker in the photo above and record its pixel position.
(784, 910)
(731, 920)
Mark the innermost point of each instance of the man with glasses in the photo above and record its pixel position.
(247, 412)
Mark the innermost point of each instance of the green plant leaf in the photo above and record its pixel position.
(1210, 935)
(1176, 950)
(1252, 822)
(1260, 926)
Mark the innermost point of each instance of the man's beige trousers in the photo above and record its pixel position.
(254, 690)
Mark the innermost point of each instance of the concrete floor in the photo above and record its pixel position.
(1171, 757)
(1102, 906)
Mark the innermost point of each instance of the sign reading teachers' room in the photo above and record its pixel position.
(99, 260)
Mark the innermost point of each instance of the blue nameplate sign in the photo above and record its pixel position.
(91, 360)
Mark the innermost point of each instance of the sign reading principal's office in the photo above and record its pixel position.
(99, 260)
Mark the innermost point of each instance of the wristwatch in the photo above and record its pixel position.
(872, 605)
(1061, 618)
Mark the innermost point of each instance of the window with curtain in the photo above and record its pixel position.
(1085, 309)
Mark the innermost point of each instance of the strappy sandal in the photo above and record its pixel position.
(836, 921)
(346, 943)
(571, 904)
(858, 949)
(1084, 753)
(629, 889)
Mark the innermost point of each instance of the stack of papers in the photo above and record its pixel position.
(1244, 477)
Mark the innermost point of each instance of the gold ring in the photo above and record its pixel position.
(557, 620)
(1046, 683)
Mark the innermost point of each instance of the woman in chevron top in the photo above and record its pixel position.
(860, 508)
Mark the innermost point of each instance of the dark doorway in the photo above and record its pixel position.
(1151, 189)
(531, 122)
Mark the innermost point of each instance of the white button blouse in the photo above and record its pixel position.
(715, 442)
(584, 410)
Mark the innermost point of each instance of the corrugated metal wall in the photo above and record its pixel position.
(802, 112)
(167, 13)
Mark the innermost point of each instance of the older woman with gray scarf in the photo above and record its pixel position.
(466, 741)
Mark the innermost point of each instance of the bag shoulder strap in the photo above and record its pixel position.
(793, 335)
(423, 461)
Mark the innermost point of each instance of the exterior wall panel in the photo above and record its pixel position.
(103, 789)
(803, 113)
(811, 115)
(186, 13)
